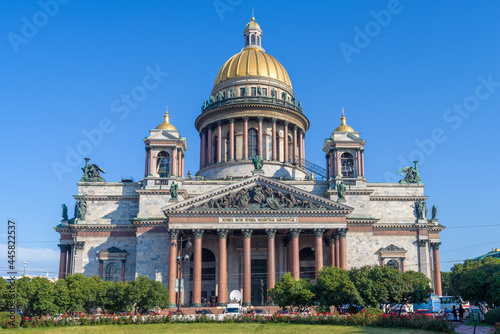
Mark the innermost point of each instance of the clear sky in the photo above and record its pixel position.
(419, 79)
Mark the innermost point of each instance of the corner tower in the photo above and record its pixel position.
(252, 111)
(344, 152)
(165, 151)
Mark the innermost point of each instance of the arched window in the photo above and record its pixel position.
(253, 39)
(113, 272)
(163, 164)
(248, 40)
(393, 264)
(347, 162)
(258, 40)
(252, 143)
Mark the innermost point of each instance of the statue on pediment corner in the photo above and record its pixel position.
(411, 174)
(258, 162)
(91, 172)
(434, 211)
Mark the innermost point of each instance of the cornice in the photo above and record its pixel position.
(106, 197)
(398, 198)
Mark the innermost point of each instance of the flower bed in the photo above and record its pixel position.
(360, 319)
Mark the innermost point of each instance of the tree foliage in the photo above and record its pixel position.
(77, 293)
(335, 288)
(289, 293)
(477, 281)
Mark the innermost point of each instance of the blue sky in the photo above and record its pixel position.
(419, 79)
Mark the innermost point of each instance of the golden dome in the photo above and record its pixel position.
(166, 124)
(252, 24)
(252, 62)
(343, 127)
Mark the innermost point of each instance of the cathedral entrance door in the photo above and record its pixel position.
(259, 282)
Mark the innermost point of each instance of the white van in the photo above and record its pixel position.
(233, 309)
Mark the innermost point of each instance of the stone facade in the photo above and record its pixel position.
(242, 228)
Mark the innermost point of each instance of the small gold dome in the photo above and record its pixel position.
(343, 126)
(252, 62)
(166, 124)
(252, 24)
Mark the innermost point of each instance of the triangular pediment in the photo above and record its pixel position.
(258, 194)
(163, 135)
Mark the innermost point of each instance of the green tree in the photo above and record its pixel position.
(475, 280)
(335, 288)
(290, 293)
(41, 301)
(147, 294)
(417, 288)
(84, 293)
(62, 296)
(446, 283)
(4, 289)
(117, 298)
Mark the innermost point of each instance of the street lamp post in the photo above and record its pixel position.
(25, 263)
(182, 242)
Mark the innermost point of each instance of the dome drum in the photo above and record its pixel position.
(235, 101)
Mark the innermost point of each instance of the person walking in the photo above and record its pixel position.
(461, 313)
(454, 312)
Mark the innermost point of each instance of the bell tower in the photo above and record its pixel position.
(344, 153)
(165, 150)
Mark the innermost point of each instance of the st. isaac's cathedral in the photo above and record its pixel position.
(256, 209)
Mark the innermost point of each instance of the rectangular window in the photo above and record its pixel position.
(253, 91)
(264, 91)
(242, 91)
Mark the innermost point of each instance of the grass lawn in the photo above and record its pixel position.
(215, 328)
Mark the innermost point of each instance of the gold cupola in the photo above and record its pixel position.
(343, 126)
(252, 60)
(166, 124)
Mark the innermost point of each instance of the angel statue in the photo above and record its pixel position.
(412, 175)
(434, 211)
(91, 173)
(258, 162)
(341, 188)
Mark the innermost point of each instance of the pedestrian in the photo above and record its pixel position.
(454, 312)
(461, 313)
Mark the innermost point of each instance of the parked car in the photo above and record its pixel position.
(282, 312)
(204, 311)
(396, 312)
(305, 311)
(425, 312)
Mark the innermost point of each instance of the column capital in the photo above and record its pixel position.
(342, 232)
(173, 233)
(274, 120)
(295, 127)
(435, 245)
(294, 232)
(247, 232)
(331, 240)
(246, 118)
(198, 233)
(422, 242)
(222, 232)
(147, 148)
(64, 247)
(80, 245)
(260, 119)
(219, 123)
(271, 232)
(318, 232)
(286, 123)
(231, 120)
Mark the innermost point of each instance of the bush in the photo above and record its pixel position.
(6, 321)
(374, 311)
(492, 316)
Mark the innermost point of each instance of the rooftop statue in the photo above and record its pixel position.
(81, 209)
(65, 212)
(210, 99)
(283, 96)
(220, 96)
(412, 175)
(341, 189)
(91, 173)
(231, 92)
(173, 190)
(205, 104)
(420, 209)
(259, 91)
(273, 92)
(434, 211)
(258, 162)
(245, 91)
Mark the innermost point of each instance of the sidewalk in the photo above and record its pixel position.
(467, 329)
